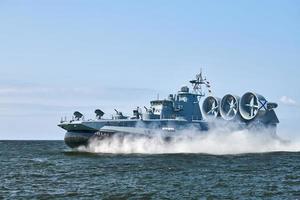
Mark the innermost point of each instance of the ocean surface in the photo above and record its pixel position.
(50, 170)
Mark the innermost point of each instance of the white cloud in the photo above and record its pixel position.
(16, 100)
(288, 101)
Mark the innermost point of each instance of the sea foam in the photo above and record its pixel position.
(218, 141)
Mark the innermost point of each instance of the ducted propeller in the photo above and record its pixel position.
(229, 106)
(251, 104)
(210, 107)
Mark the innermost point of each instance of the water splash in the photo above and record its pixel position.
(217, 142)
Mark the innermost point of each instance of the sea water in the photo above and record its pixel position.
(50, 170)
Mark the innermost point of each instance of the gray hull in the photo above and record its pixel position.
(79, 133)
(76, 139)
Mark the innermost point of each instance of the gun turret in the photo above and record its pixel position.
(119, 115)
(137, 113)
(77, 115)
(146, 108)
(99, 113)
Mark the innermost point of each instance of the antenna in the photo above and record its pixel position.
(198, 82)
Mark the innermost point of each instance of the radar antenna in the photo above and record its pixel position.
(197, 84)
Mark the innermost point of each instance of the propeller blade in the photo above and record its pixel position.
(232, 103)
(251, 112)
(228, 113)
(213, 110)
(228, 101)
(255, 112)
(213, 104)
(252, 101)
(234, 110)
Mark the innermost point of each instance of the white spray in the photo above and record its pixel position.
(217, 141)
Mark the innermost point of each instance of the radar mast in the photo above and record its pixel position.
(197, 84)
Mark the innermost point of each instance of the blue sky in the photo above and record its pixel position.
(58, 56)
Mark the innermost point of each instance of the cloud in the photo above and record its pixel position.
(30, 99)
(288, 101)
(15, 92)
